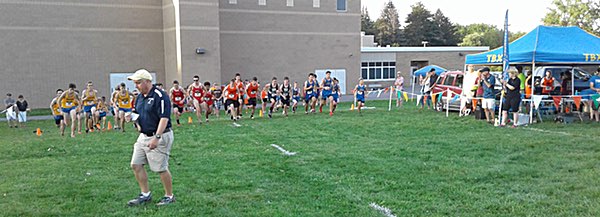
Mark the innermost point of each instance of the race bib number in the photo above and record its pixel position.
(253, 92)
(308, 92)
(178, 98)
(206, 99)
(231, 95)
(197, 94)
(69, 104)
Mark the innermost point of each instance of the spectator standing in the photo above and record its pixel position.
(513, 98)
(547, 83)
(23, 108)
(11, 111)
(489, 97)
(399, 85)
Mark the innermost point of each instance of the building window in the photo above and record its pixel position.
(316, 3)
(378, 70)
(262, 2)
(341, 5)
(233, 2)
(290, 3)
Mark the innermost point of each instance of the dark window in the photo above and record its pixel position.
(386, 73)
(392, 63)
(459, 81)
(449, 80)
(377, 73)
(392, 72)
(371, 64)
(365, 64)
(341, 5)
(386, 64)
(364, 73)
(378, 64)
(371, 73)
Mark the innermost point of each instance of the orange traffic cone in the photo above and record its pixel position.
(38, 132)
(190, 120)
(260, 113)
(352, 107)
(109, 127)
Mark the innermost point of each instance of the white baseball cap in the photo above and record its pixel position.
(140, 74)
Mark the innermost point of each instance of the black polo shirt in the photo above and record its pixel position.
(151, 108)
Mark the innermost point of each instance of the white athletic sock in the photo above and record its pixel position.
(146, 194)
(170, 197)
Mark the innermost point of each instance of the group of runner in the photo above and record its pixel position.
(70, 106)
(237, 95)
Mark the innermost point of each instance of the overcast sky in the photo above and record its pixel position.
(523, 15)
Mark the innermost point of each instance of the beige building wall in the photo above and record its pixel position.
(47, 44)
(277, 40)
(170, 43)
(200, 29)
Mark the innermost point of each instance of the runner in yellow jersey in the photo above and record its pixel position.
(88, 99)
(124, 100)
(113, 107)
(100, 113)
(69, 101)
(56, 113)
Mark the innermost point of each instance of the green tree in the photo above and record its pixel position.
(388, 25)
(366, 24)
(481, 35)
(515, 35)
(582, 13)
(420, 27)
(446, 30)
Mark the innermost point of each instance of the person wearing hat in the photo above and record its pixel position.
(399, 85)
(153, 145)
(489, 97)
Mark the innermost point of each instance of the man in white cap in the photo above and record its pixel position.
(153, 145)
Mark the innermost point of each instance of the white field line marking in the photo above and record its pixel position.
(387, 212)
(548, 131)
(364, 108)
(236, 124)
(283, 150)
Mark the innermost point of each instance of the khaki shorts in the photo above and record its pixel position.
(157, 159)
(488, 104)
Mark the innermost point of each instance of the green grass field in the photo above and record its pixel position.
(416, 163)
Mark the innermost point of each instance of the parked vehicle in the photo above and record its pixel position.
(580, 78)
(453, 81)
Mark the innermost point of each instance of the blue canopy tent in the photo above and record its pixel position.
(545, 45)
(423, 71)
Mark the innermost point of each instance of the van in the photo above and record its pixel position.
(580, 77)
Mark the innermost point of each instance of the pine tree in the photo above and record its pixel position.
(420, 27)
(366, 24)
(445, 30)
(388, 25)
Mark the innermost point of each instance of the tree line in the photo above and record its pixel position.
(421, 25)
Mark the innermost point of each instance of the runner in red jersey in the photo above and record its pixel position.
(177, 94)
(241, 89)
(231, 102)
(252, 92)
(196, 91)
(208, 100)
